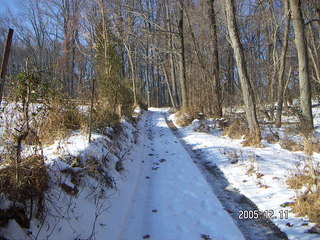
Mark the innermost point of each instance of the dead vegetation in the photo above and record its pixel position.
(305, 179)
(28, 180)
(290, 144)
(311, 145)
(24, 185)
(61, 119)
(237, 129)
(183, 119)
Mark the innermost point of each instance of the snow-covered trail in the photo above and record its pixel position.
(170, 198)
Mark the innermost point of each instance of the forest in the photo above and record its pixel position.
(83, 65)
(200, 56)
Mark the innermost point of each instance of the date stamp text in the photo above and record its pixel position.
(267, 214)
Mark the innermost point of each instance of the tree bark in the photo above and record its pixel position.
(182, 63)
(5, 60)
(247, 90)
(217, 104)
(281, 83)
(304, 82)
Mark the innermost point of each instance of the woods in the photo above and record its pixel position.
(79, 76)
(200, 56)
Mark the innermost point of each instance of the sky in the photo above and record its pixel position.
(6, 4)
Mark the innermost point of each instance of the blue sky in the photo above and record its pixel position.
(5, 4)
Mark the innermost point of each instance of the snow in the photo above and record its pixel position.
(161, 194)
(170, 197)
(274, 163)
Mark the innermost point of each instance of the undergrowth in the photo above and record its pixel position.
(305, 179)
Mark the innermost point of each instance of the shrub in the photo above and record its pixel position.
(184, 119)
(102, 116)
(236, 129)
(28, 180)
(61, 118)
(311, 145)
(290, 144)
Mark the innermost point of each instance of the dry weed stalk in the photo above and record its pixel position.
(305, 178)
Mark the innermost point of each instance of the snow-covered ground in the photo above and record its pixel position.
(77, 204)
(266, 187)
(161, 194)
(169, 197)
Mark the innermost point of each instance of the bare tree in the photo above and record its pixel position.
(301, 45)
(281, 83)
(182, 62)
(217, 103)
(247, 90)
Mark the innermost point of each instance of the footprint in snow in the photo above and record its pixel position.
(162, 160)
(154, 210)
(205, 237)
(146, 236)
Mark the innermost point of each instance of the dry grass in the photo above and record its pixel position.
(183, 119)
(236, 130)
(306, 177)
(290, 144)
(292, 130)
(308, 204)
(31, 183)
(253, 139)
(61, 118)
(311, 145)
(298, 180)
(102, 116)
(203, 127)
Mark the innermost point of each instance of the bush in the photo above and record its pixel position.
(236, 129)
(103, 116)
(290, 144)
(61, 118)
(183, 119)
(28, 180)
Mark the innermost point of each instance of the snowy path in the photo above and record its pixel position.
(170, 198)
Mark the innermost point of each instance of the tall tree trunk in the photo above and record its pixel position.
(247, 90)
(133, 73)
(281, 83)
(182, 63)
(168, 85)
(304, 82)
(5, 60)
(217, 104)
(174, 92)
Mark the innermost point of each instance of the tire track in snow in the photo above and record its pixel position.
(172, 200)
(231, 199)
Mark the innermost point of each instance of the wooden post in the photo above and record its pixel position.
(5, 60)
(91, 108)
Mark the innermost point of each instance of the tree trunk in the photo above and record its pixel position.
(168, 85)
(5, 61)
(247, 90)
(171, 59)
(182, 63)
(217, 104)
(304, 82)
(281, 82)
(133, 74)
